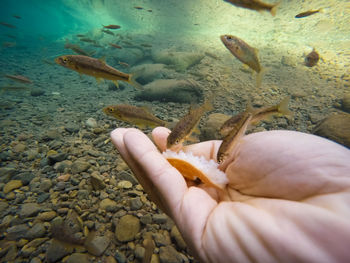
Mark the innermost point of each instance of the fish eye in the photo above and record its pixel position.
(177, 141)
(110, 110)
(64, 60)
(229, 37)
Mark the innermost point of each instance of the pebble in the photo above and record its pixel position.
(11, 185)
(139, 252)
(135, 203)
(120, 257)
(46, 216)
(29, 210)
(38, 230)
(91, 123)
(57, 250)
(16, 232)
(79, 166)
(160, 218)
(42, 198)
(35, 92)
(127, 228)
(168, 254)
(96, 245)
(30, 247)
(63, 177)
(78, 258)
(72, 127)
(19, 148)
(162, 239)
(124, 184)
(146, 219)
(109, 205)
(25, 177)
(45, 185)
(176, 235)
(97, 181)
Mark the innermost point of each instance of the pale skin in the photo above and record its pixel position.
(288, 199)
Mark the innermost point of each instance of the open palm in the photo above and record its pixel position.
(288, 197)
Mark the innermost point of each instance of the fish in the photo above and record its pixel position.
(80, 35)
(186, 126)
(123, 64)
(149, 10)
(107, 32)
(19, 78)
(7, 25)
(97, 68)
(308, 13)
(11, 36)
(9, 44)
(115, 45)
(112, 26)
(230, 141)
(255, 5)
(17, 16)
(13, 88)
(77, 49)
(138, 116)
(244, 53)
(263, 113)
(88, 40)
(138, 7)
(145, 45)
(312, 58)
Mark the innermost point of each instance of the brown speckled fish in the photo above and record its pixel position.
(255, 5)
(96, 68)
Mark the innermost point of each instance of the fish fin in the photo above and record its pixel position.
(321, 10)
(259, 77)
(283, 107)
(274, 9)
(116, 83)
(196, 130)
(134, 76)
(103, 59)
(192, 138)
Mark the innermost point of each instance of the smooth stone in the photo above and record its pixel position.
(45, 185)
(29, 210)
(162, 239)
(42, 198)
(124, 184)
(135, 203)
(55, 158)
(13, 184)
(46, 216)
(335, 127)
(57, 250)
(96, 245)
(91, 123)
(97, 181)
(79, 166)
(25, 177)
(17, 232)
(3, 206)
(168, 254)
(176, 235)
(159, 218)
(146, 219)
(120, 257)
(139, 252)
(37, 92)
(82, 194)
(127, 228)
(35, 260)
(6, 173)
(51, 135)
(19, 148)
(11, 253)
(109, 205)
(72, 127)
(110, 259)
(30, 247)
(78, 258)
(38, 230)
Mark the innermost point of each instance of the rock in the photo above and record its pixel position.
(16, 232)
(29, 210)
(51, 135)
(78, 258)
(130, 54)
(72, 127)
(139, 252)
(165, 90)
(19, 148)
(110, 259)
(30, 247)
(3, 206)
(83, 194)
(95, 244)
(109, 205)
(42, 198)
(38, 230)
(11, 253)
(58, 157)
(97, 181)
(168, 254)
(46, 216)
(63, 178)
(91, 123)
(13, 184)
(24, 177)
(120, 257)
(146, 219)
(335, 127)
(180, 60)
(45, 185)
(36, 92)
(124, 184)
(35, 260)
(346, 103)
(6, 173)
(176, 235)
(162, 239)
(57, 250)
(79, 166)
(159, 218)
(135, 203)
(127, 228)
(150, 72)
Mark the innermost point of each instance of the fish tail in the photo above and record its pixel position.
(134, 76)
(274, 9)
(283, 107)
(259, 77)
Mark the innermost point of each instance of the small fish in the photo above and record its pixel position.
(308, 13)
(88, 40)
(11, 36)
(145, 45)
(186, 125)
(139, 116)
(255, 5)
(108, 32)
(312, 58)
(13, 88)
(123, 64)
(263, 113)
(245, 53)
(80, 35)
(138, 7)
(150, 10)
(115, 45)
(19, 78)
(112, 26)
(96, 68)
(7, 25)
(17, 16)
(77, 49)
(224, 154)
(9, 44)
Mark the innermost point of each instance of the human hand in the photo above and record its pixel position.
(287, 200)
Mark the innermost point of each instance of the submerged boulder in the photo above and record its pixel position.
(179, 59)
(184, 91)
(151, 72)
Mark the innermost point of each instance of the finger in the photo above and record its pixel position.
(166, 179)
